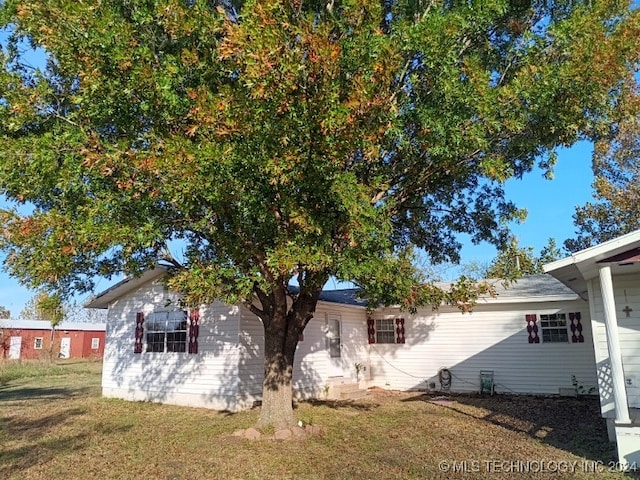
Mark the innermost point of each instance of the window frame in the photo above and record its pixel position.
(554, 333)
(172, 340)
(35, 343)
(389, 331)
(95, 341)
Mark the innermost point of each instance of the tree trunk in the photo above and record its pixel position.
(277, 391)
(284, 317)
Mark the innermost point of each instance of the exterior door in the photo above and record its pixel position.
(15, 345)
(65, 347)
(334, 345)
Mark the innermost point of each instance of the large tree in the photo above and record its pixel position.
(615, 209)
(514, 261)
(288, 139)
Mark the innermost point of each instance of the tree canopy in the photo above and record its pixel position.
(46, 307)
(514, 261)
(52, 308)
(616, 167)
(289, 139)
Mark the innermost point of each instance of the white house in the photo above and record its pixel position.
(534, 337)
(608, 275)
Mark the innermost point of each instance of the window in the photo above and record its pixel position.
(385, 331)
(37, 343)
(95, 343)
(333, 336)
(554, 328)
(166, 331)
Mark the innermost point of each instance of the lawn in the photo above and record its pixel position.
(54, 424)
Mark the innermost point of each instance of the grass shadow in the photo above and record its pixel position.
(14, 461)
(16, 393)
(343, 404)
(571, 424)
(26, 428)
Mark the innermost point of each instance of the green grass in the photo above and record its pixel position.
(58, 426)
(18, 369)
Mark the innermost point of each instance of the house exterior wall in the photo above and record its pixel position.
(206, 379)
(228, 370)
(87, 344)
(626, 290)
(27, 346)
(493, 337)
(80, 343)
(313, 364)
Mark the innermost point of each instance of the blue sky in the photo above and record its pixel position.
(550, 205)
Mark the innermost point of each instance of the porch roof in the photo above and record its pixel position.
(621, 253)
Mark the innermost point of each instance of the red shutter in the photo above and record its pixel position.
(194, 330)
(576, 328)
(399, 330)
(532, 328)
(137, 346)
(371, 329)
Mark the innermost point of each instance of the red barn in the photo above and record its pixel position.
(32, 339)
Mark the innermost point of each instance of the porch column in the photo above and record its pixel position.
(613, 345)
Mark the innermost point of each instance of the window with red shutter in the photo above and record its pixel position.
(371, 330)
(399, 330)
(139, 333)
(194, 330)
(532, 328)
(554, 328)
(167, 331)
(576, 327)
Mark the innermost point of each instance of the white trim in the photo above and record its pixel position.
(529, 299)
(613, 345)
(104, 298)
(603, 249)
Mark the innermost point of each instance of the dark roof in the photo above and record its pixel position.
(347, 296)
(530, 288)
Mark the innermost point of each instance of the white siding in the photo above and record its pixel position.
(626, 294)
(206, 379)
(227, 372)
(491, 338)
(313, 365)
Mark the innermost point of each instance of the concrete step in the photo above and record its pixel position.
(345, 391)
(332, 381)
(354, 395)
(346, 388)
